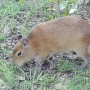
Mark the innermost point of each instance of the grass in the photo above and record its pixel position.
(10, 7)
(16, 16)
(79, 81)
(16, 79)
(2, 37)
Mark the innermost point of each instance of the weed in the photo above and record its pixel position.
(2, 37)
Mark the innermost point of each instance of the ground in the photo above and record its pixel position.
(58, 73)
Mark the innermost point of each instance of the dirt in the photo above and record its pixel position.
(84, 11)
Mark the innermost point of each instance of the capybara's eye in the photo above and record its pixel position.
(19, 53)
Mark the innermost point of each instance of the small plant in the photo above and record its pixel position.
(2, 37)
(64, 65)
(66, 6)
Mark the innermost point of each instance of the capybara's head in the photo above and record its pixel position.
(22, 52)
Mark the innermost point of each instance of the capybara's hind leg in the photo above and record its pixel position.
(84, 54)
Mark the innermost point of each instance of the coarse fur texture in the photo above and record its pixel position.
(70, 33)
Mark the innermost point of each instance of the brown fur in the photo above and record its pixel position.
(70, 33)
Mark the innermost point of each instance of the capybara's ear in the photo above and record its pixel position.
(24, 42)
(19, 37)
